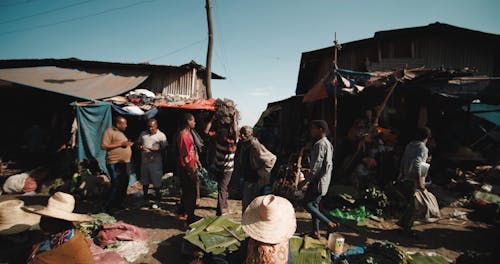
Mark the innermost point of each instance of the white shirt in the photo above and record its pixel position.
(157, 140)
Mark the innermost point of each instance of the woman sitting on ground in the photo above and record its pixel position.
(63, 243)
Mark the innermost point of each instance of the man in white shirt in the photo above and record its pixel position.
(151, 143)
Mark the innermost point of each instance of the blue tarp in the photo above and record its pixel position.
(490, 113)
(147, 115)
(93, 119)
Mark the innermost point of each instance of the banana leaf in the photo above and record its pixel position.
(315, 253)
(213, 240)
(423, 259)
(212, 236)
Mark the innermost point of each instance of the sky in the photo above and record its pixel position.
(257, 44)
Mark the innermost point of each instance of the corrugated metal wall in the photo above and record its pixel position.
(177, 83)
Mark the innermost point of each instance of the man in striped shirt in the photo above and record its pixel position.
(225, 147)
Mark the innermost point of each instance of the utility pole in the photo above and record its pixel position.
(336, 47)
(208, 76)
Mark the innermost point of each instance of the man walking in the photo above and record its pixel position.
(118, 154)
(152, 142)
(414, 169)
(320, 175)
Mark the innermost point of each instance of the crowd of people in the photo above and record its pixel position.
(237, 155)
(269, 220)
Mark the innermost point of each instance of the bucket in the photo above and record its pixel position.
(336, 243)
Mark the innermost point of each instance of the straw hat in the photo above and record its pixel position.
(270, 219)
(13, 219)
(61, 206)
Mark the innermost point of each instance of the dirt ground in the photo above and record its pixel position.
(448, 237)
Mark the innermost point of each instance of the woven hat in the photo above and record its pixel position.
(270, 219)
(13, 219)
(61, 206)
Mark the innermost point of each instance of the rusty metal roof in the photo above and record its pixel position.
(88, 85)
(74, 63)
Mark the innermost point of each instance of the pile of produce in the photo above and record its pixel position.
(385, 252)
(216, 235)
(375, 200)
(357, 214)
(208, 184)
(90, 229)
(170, 185)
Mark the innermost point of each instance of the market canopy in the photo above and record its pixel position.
(200, 104)
(88, 85)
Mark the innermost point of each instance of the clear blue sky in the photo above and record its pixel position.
(257, 43)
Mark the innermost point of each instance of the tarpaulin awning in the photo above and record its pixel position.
(490, 113)
(88, 85)
(200, 104)
(93, 119)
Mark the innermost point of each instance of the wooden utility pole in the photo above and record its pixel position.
(208, 76)
(336, 47)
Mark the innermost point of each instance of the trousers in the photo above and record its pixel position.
(119, 174)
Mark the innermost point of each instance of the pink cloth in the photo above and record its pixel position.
(105, 257)
(119, 231)
(29, 185)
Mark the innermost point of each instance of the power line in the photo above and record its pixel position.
(219, 51)
(178, 50)
(17, 3)
(76, 18)
(44, 12)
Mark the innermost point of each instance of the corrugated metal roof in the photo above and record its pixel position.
(75, 63)
(88, 85)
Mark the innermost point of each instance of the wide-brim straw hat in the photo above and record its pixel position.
(13, 219)
(61, 206)
(270, 219)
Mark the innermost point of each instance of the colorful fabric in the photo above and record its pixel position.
(119, 231)
(56, 240)
(340, 80)
(29, 185)
(74, 250)
(263, 253)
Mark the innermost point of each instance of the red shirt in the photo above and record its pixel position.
(187, 149)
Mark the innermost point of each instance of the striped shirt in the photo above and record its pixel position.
(224, 155)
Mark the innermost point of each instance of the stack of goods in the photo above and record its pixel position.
(290, 183)
(309, 250)
(226, 111)
(385, 252)
(216, 235)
